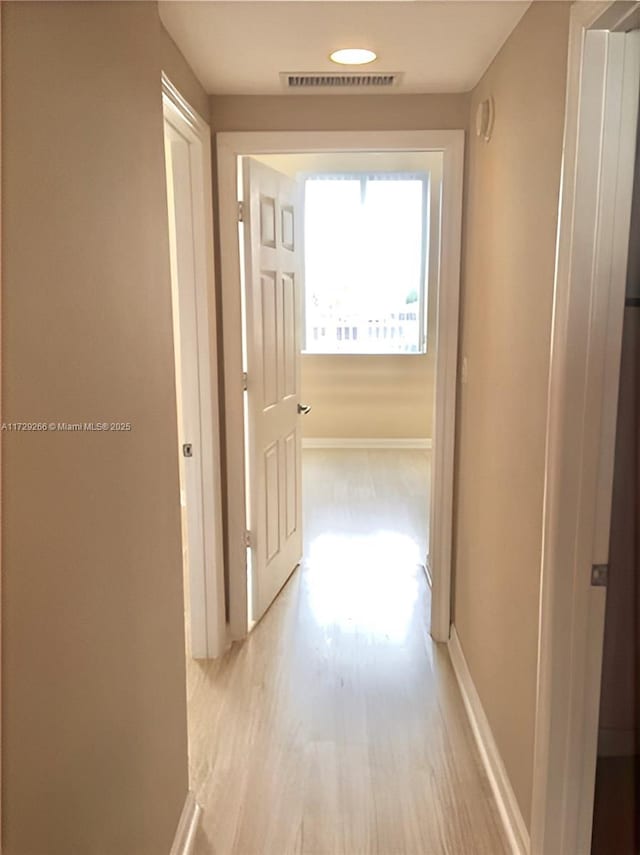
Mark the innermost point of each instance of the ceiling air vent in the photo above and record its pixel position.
(309, 81)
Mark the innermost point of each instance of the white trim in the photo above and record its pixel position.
(184, 841)
(181, 108)
(207, 613)
(506, 801)
(444, 428)
(230, 147)
(365, 442)
(593, 230)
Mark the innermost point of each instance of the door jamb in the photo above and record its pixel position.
(230, 147)
(208, 626)
(595, 204)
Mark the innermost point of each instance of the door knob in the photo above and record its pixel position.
(304, 409)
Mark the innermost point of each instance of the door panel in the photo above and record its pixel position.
(288, 228)
(272, 500)
(290, 336)
(272, 284)
(269, 339)
(268, 221)
(291, 472)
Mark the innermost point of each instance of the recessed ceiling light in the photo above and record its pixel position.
(353, 56)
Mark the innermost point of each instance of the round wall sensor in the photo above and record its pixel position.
(484, 119)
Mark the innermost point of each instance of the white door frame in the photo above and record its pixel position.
(206, 590)
(595, 205)
(232, 146)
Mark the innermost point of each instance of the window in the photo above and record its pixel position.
(365, 256)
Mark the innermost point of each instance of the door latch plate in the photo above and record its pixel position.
(599, 575)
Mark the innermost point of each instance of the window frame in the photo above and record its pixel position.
(424, 176)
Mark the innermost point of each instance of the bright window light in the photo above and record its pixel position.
(365, 242)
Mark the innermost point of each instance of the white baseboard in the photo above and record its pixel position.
(508, 807)
(185, 838)
(365, 442)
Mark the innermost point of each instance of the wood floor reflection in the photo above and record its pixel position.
(336, 728)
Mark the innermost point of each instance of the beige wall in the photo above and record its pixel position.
(338, 113)
(370, 396)
(511, 215)
(94, 718)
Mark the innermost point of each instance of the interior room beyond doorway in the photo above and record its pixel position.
(372, 390)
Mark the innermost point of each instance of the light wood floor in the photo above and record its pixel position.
(336, 728)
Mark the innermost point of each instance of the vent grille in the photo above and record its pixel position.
(321, 80)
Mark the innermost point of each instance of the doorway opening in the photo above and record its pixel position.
(340, 280)
(340, 270)
(616, 807)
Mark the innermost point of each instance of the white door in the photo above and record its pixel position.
(273, 311)
(191, 255)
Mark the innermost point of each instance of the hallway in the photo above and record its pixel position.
(337, 728)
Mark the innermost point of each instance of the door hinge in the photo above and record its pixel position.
(599, 575)
(247, 539)
(241, 212)
(245, 381)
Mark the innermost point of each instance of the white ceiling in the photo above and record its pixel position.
(241, 47)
